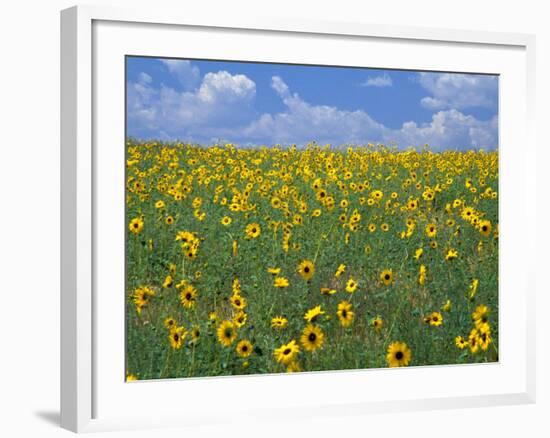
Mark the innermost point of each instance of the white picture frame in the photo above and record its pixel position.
(84, 176)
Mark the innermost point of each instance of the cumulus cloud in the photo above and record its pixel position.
(378, 81)
(458, 91)
(222, 107)
(187, 74)
(303, 122)
(448, 129)
(220, 101)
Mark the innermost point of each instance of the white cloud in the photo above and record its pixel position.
(378, 81)
(447, 129)
(222, 107)
(187, 74)
(303, 122)
(458, 91)
(145, 78)
(221, 99)
(279, 86)
(225, 87)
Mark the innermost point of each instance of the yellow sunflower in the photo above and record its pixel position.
(293, 367)
(485, 228)
(253, 230)
(312, 314)
(481, 315)
(484, 336)
(188, 296)
(422, 275)
(345, 313)
(461, 343)
(176, 337)
(312, 337)
(244, 348)
(399, 355)
(306, 269)
(168, 281)
(238, 302)
(240, 318)
(386, 276)
(280, 282)
(286, 353)
(136, 225)
(195, 334)
(340, 270)
(451, 254)
(226, 333)
(473, 339)
(351, 285)
(170, 323)
(141, 297)
(279, 322)
(431, 230)
(467, 213)
(377, 323)
(327, 291)
(434, 319)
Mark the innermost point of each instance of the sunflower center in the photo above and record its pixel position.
(188, 296)
(387, 276)
(306, 269)
(228, 333)
(399, 355)
(344, 313)
(286, 352)
(176, 337)
(312, 337)
(244, 348)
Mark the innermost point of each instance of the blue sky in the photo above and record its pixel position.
(267, 104)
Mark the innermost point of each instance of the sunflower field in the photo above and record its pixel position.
(267, 260)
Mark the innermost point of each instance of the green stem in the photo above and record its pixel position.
(166, 364)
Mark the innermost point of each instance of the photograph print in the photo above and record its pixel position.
(289, 218)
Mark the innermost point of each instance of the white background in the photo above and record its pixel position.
(29, 219)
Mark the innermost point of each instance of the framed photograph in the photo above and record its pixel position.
(304, 218)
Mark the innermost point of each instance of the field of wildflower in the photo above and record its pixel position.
(268, 260)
